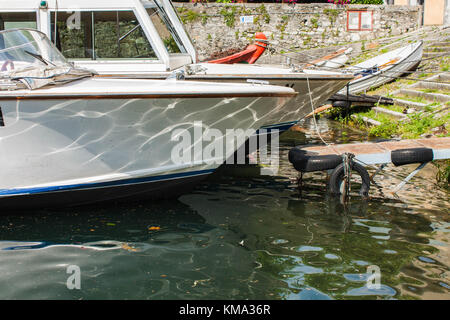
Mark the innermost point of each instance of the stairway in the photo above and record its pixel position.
(433, 91)
(430, 94)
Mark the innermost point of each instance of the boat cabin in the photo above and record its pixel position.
(114, 37)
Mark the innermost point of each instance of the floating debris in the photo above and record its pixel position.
(127, 247)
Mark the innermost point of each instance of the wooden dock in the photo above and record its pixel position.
(377, 154)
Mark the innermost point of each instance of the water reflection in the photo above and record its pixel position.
(238, 235)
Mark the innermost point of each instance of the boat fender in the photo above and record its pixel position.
(413, 155)
(340, 104)
(368, 71)
(308, 162)
(337, 177)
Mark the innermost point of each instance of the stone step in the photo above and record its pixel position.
(389, 112)
(409, 104)
(443, 76)
(437, 49)
(429, 54)
(437, 43)
(440, 77)
(439, 97)
(431, 85)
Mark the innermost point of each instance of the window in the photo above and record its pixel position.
(11, 20)
(166, 31)
(359, 20)
(101, 35)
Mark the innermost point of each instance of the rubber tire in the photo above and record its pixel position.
(308, 162)
(337, 176)
(413, 155)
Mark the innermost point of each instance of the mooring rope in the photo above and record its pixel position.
(347, 159)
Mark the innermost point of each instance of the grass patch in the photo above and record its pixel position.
(434, 91)
(392, 107)
(412, 127)
(412, 99)
(424, 75)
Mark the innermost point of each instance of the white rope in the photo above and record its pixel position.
(313, 113)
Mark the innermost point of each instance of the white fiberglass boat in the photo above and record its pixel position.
(67, 137)
(146, 39)
(384, 68)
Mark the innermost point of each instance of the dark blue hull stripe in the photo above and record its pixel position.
(280, 126)
(6, 192)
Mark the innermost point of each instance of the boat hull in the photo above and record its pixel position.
(144, 189)
(410, 60)
(90, 149)
(313, 87)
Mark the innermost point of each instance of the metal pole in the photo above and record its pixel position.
(347, 113)
(412, 174)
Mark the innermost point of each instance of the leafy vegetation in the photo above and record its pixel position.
(443, 174)
(415, 124)
(229, 15)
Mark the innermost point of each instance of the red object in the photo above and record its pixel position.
(249, 55)
(359, 12)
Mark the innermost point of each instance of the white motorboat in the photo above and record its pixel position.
(146, 39)
(384, 68)
(67, 137)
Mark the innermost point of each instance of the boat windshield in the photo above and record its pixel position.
(164, 27)
(23, 49)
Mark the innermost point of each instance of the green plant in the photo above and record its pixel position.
(443, 174)
(263, 12)
(204, 18)
(171, 45)
(284, 22)
(307, 40)
(188, 15)
(332, 14)
(229, 15)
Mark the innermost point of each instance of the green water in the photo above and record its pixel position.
(238, 235)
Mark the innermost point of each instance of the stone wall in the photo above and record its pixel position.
(216, 27)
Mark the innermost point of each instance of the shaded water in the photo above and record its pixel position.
(238, 235)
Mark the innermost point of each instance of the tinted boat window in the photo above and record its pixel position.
(166, 31)
(11, 20)
(101, 35)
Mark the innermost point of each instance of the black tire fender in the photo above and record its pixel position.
(337, 176)
(308, 162)
(414, 155)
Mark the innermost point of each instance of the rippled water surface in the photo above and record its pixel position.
(239, 235)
